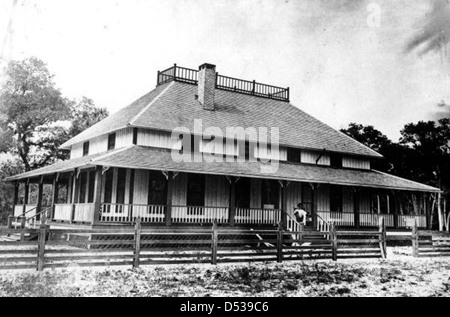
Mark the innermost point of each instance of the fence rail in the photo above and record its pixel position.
(429, 244)
(138, 246)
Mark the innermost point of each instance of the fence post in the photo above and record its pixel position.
(415, 239)
(137, 240)
(383, 238)
(22, 227)
(215, 238)
(334, 241)
(41, 246)
(280, 243)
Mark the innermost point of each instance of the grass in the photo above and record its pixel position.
(398, 277)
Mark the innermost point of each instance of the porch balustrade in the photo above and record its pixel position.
(63, 212)
(257, 216)
(111, 213)
(18, 210)
(338, 218)
(182, 214)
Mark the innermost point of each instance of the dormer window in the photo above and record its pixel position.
(111, 141)
(86, 148)
(294, 155)
(336, 160)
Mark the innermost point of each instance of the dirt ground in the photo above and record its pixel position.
(399, 276)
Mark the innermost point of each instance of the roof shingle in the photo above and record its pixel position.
(138, 157)
(174, 105)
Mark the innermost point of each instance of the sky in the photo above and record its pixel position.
(375, 62)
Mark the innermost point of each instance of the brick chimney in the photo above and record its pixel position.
(207, 85)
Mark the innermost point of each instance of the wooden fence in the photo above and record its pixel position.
(138, 246)
(430, 243)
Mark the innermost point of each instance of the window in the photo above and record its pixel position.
(157, 193)
(336, 160)
(111, 141)
(86, 148)
(270, 194)
(33, 194)
(83, 188)
(121, 181)
(336, 199)
(196, 190)
(294, 155)
(243, 193)
(62, 187)
(109, 175)
(135, 134)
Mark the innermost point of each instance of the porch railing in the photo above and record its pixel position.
(373, 220)
(183, 214)
(63, 212)
(257, 216)
(129, 213)
(18, 210)
(84, 212)
(338, 218)
(407, 221)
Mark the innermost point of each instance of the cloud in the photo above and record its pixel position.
(434, 35)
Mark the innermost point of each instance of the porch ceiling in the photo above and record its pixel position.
(138, 157)
(60, 167)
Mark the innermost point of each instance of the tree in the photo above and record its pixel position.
(36, 119)
(422, 155)
(7, 168)
(30, 103)
(368, 136)
(431, 140)
(375, 140)
(84, 115)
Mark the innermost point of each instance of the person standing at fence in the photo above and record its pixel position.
(300, 214)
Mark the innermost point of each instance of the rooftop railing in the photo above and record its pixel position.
(190, 76)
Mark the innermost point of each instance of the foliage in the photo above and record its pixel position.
(84, 115)
(30, 103)
(7, 168)
(422, 153)
(35, 119)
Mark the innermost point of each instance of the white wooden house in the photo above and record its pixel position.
(123, 168)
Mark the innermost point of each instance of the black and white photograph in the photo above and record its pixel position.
(225, 154)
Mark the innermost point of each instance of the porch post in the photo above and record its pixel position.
(74, 195)
(97, 195)
(314, 204)
(232, 204)
(168, 214)
(356, 209)
(16, 192)
(26, 194)
(396, 209)
(54, 196)
(284, 201)
(39, 198)
(428, 211)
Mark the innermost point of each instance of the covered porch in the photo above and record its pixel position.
(117, 187)
(118, 196)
